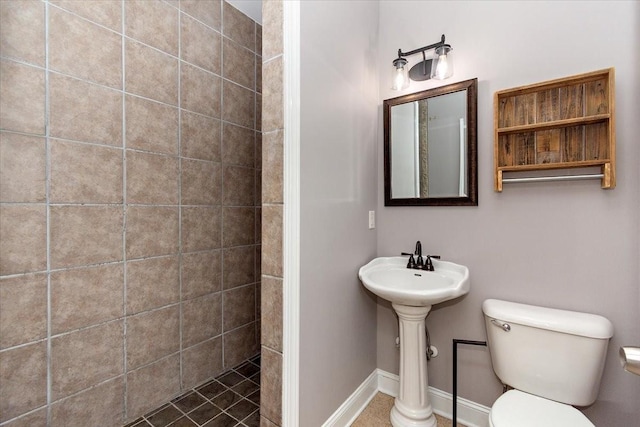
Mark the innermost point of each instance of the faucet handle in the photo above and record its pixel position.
(428, 265)
(411, 263)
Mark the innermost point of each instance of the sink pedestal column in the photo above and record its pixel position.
(412, 407)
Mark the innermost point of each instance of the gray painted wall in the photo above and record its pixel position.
(567, 245)
(339, 101)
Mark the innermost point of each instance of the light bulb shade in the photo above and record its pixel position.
(442, 65)
(400, 74)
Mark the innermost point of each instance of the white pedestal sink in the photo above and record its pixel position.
(412, 293)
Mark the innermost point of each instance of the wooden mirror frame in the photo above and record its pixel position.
(472, 146)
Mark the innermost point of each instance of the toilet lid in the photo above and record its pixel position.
(516, 408)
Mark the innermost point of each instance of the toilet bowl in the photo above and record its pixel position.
(552, 359)
(516, 408)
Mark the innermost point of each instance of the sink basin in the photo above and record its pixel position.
(389, 278)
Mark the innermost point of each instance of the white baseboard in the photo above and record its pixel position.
(347, 413)
(469, 413)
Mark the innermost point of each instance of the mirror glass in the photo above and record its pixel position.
(430, 147)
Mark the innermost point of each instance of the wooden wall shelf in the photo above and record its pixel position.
(559, 124)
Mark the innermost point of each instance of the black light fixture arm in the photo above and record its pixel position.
(422, 49)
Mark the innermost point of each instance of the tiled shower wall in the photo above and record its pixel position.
(273, 207)
(130, 157)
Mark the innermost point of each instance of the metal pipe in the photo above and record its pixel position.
(554, 178)
(455, 373)
(422, 49)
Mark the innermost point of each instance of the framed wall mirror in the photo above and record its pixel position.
(430, 147)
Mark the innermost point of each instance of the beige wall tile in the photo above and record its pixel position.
(259, 110)
(239, 105)
(23, 309)
(84, 50)
(272, 95)
(259, 149)
(152, 385)
(239, 186)
(258, 195)
(82, 235)
(23, 375)
(271, 385)
(152, 22)
(85, 361)
(86, 296)
(239, 226)
(23, 238)
(200, 137)
(258, 260)
(240, 344)
(258, 74)
(271, 309)
(272, 29)
(238, 266)
(239, 307)
(152, 336)
(151, 126)
(98, 406)
(152, 178)
(86, 357)
(201, 182)
(34, 419)
(103, 12)
(201, 319)
(22, 30)
(200, 45)
(200, 91)
(237, 145)
(238, 27)
(207, 11)
(239, 64)
(258, 39)
(151, 230)
(84, 173)
(258, 213)
(22, 168)
(264, 422)
(151, 73)
(272, 158)
(272, 240)
(152, 283)
(201, 228)
(201, 273)
(22, 98)
(258, 287)
(201, 362)
(84, 111)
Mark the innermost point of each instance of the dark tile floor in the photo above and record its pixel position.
(230, 400)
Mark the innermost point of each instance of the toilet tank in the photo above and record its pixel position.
(555, 354)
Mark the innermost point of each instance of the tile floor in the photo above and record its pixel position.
(377, 412)
(233, 400)
(230, 400)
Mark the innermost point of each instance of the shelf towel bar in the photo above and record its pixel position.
(554, 178)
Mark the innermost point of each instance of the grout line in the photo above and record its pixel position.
(125, 408)
(180, 206)
(47, 127)
(222, 192)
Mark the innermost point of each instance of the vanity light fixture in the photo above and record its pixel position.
(439, 67)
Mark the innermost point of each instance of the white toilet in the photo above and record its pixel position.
(551, 359)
